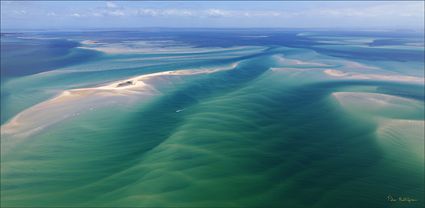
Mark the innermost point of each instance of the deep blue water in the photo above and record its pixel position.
(30, 56)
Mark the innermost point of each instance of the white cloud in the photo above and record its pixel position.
(110, 4)
(203, 13)
(412, 9)
(375, 14)
(97, 14)
(219, 13)
(381, 11)
(165, 12)
(177, 12)
(116, 13)
(20, 12)
(147, 12)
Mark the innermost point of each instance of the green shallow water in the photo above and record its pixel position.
(247, 137)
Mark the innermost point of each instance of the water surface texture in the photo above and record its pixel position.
(212, 118)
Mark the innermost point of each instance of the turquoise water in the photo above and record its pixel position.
(271, 131)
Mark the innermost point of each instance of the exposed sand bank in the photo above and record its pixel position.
(296, 62)
(353, 75)
(71, 103)
(153, 47)
(371, 99)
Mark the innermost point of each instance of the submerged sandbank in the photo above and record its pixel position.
(377, 106)
(399, 121)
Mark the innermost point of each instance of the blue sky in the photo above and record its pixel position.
(123, 14)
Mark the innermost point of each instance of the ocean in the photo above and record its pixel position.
(212, 118)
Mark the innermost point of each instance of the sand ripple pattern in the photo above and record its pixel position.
(268, 128)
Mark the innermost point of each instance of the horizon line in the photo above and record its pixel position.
(222, 28)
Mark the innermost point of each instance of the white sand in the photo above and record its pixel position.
(360, 76)
(152, 47)
(356, 65)
(71, 103)
(89, 42)
(297, 62)
(372, 99)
